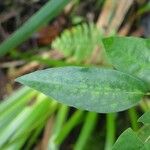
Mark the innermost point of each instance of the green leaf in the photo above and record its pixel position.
(145, 118)
(128, 140)
(93, 89)
(130, 54)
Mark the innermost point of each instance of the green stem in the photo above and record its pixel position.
(72, 122)
(110, 129)
(133, 118)
(60, 118)
(145, 105)
(86, 131)
(147, 94)
(46, 61)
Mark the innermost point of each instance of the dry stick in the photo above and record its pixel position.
(5, 16)
(3, 34)
(12, 64)
(25, 69)
(111, 18)
(122, 9)
(126, 28)
(69, 7)
(102, 24)
(47, 132)
(103, 19)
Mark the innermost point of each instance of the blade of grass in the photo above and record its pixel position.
(38, 116)
(34, 136)
(45, 14)
(17, 145)
(13, 98)
(60, 118)
(40, 112)
(12, 111)
(6, 134)
(70, 124)
(90, 122)
(15, 125)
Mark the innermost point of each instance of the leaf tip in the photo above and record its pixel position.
(20, 79)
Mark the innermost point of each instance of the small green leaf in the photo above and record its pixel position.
(128, 140)
(130, 54)
(145, 118)
(93, 89)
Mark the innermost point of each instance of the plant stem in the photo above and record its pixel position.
(46, 61)
(145, 105)
(147, 94)
(110, 129)
(87, 129)
(133, 118)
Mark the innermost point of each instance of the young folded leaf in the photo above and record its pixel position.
(130, 54)
(93, 89)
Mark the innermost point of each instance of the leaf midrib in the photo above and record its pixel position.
(97, 90)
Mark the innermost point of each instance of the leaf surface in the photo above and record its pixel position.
(130, 54)
(145, 118)
(93, 89)
(129, 140)
(144, 134)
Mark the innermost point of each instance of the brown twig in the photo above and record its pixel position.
(3, 34)
(47, 133)
(12, 64)
(7, 15)
(113, 14)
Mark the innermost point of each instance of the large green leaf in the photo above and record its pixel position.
(93, 89)
(130, 54)
(145, 118)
